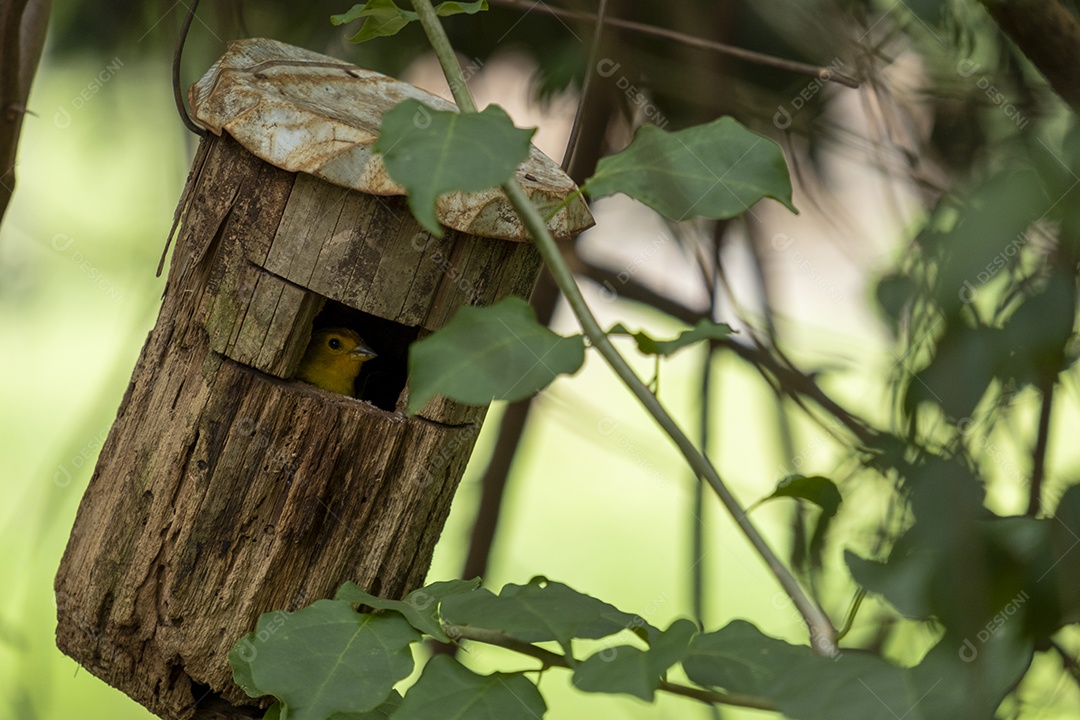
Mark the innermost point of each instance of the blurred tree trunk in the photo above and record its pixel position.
(1049, 35)
(22, 37)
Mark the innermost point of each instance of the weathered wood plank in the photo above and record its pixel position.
(224, 490)
(310, 217)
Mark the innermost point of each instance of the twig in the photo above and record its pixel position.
(814, 71)
(1038, 454)
(853, 610)
(551, 659)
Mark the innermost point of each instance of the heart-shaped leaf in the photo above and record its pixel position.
(717, 170)
(447, 689)
(324, 659)
(490, 353)
(630, 670)
(432, 152)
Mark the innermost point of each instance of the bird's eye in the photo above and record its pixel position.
(334, 343)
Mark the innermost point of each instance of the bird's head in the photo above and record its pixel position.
(333, 359)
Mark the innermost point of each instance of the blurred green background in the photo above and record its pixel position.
(599, 498)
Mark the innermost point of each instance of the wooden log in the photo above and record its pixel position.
(226, 489)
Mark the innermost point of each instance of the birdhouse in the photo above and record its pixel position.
(228, 488)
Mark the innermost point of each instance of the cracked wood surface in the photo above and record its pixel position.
(225, 490)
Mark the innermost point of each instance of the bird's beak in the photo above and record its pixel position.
(364, 350)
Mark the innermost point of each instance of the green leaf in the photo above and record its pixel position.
(383, 712)
(1037, 334)
(903, 580)
(965, 363)
(739, 658)
(446, 9)
(818, 490)
(969, 677)
(1021, 569)
(490, 353)
(717, 170)
(432, 152)
(447, 689)
(630, 670)
(541, 611)
(704, 330)
(856, 684)
(988, 235)
(420, 607)
(325, 658)
(894, 296)
(383, 18)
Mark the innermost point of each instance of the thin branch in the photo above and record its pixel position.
(792, 381)
(551, 659)
(814, 71)
(822, 632)
(1038, 454)
(579, 116)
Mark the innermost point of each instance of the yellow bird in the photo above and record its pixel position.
(333, 359)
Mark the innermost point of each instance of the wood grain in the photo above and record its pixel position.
(226, 490)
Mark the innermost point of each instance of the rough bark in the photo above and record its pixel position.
(224, 489)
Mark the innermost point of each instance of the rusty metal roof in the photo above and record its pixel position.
(306, 112)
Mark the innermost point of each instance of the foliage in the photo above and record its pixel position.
(704, 330)
(717, 170)
(383, 18)
(289, 656)
(981, 320)
(485, 353)
(432, 152)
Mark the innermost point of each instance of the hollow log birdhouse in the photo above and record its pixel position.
(228, 488)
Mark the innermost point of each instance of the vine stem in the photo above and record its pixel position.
(822, 632)
(553, 659)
